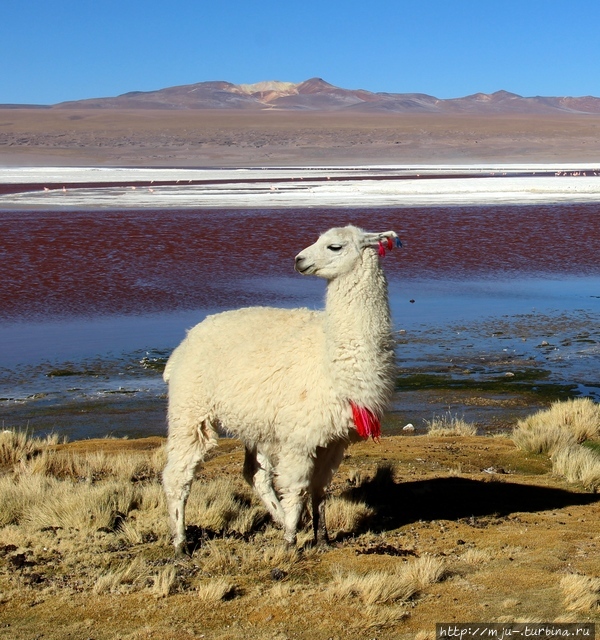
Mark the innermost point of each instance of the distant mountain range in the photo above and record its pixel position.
(317, 95)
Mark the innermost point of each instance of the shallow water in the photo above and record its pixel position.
(92, 294)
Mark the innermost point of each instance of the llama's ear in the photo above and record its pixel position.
(382, 241)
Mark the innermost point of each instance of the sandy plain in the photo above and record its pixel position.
(78, 137)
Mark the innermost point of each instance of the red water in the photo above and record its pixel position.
(65, 264)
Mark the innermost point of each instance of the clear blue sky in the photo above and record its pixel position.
(55, 50)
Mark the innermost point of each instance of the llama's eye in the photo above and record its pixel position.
(335, 247)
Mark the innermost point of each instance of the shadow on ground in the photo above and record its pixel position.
(400, 503)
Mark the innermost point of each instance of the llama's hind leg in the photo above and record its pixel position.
(184, 454)
(326, 464)
(320, 535)
(258, 473)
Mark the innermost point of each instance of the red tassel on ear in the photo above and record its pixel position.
(381, 249)
(390, 244)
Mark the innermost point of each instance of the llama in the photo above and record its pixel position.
(296, 386)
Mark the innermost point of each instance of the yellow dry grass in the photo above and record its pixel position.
(579, 465)
(558, 432)
(561, 424)
(385, 587)
(581, 592)
(450, 425)
(85, 549)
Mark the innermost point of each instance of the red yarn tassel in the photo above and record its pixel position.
(381, 249)
(366, 422)
(390, 244)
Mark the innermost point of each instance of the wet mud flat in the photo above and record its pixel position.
(490, 373)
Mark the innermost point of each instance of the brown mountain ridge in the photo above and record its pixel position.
(317, 95)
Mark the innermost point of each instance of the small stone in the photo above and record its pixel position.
(408, 427)
(278, 574)
(18, 560)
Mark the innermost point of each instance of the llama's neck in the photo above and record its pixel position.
(358, 335)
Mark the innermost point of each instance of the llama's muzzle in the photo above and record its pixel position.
(300, 264)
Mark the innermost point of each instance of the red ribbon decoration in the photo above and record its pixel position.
(367, 423)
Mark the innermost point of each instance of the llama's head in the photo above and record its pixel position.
(340, 250)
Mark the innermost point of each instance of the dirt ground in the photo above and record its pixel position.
(57, 137)
(505, 529)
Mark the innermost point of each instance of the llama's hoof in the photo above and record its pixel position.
(290, 543)
(322, 542)
(182, 552)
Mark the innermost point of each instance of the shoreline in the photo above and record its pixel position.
(40, 188)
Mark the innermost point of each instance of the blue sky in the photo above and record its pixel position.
(55, 50)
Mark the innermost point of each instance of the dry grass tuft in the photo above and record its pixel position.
(562, 425)
(86, 508)
(19, 446)
(539, 437)
(345, 516)
(558, 432)
(216, 589)
(164, 581)
(218, 559)
(122, 578)
(280, 556)
(581, 593)
(376, 617)
(578, 465)
(384, 587)
(425, 571)
(475, 557)
(449, 425)
(581, 416)
(224, 506)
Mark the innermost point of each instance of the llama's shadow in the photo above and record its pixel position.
(453, 498)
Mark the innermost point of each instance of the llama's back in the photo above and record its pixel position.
(255, 370)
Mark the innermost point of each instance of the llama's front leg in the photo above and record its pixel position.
(293, 479)
(183, 458)
(292, 503)
(258, 473)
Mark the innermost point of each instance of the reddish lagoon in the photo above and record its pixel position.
(92, 292)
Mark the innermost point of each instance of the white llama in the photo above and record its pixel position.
(295, 386)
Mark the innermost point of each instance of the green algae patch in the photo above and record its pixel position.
(532, 382)
(65, 373)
